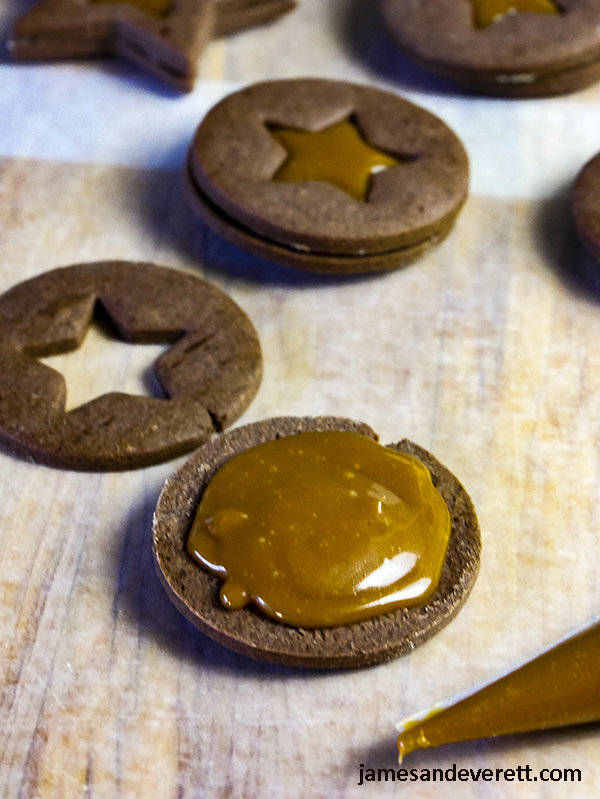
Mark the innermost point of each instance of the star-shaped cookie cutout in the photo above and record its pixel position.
(488, 11)
(338, 154)
(163, 37)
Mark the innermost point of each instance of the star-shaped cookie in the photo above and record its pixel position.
(163, 37)
(337, 154)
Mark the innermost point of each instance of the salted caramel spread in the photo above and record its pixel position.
(156, 8)
(322, 529)
(338, 154)
(556, 689)
(488, 11)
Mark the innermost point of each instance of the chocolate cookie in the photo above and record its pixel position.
(511, 48)
(585, 206)
(163, 37)
(326, 176)
(235, 15)
(195, 592)
(210, 373)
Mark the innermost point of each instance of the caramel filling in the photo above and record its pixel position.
(322, 529)
(488, 11)
(338, 155)
(558, 688)
(156, 8)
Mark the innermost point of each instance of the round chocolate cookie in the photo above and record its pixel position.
(511, 48)
(195, 592)
(326, 176)
(585, 206)
(210, 373)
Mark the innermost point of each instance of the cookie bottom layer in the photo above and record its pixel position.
(195, 592)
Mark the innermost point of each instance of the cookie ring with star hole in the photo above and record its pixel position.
(210, 373)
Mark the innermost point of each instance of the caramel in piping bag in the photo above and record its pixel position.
(558, 688)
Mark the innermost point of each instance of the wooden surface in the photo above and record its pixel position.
(486, 352)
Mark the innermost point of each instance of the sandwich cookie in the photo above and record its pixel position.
(326, 176)
(210, 373)
(511, 48)
(163, 37)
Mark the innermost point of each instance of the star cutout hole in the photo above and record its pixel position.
(338, 154)
(487, 12)
(104, 363)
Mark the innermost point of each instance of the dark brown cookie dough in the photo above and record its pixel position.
(522, 54)
(585, 206)
(196, 592)
(235, 15)
(166, 44)
(210, 373)
(314, 224)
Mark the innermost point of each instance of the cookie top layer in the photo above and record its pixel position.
(196, 592)
(235, 157)
(585, 206)
(210, 373)
(441, 34)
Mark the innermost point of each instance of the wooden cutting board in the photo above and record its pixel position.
(485, 352)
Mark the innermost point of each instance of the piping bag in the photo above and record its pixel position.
(558, 688)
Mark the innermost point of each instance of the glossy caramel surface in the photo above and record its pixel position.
(338, 154)
(556, 689)
(487, 12)
(322, 529)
